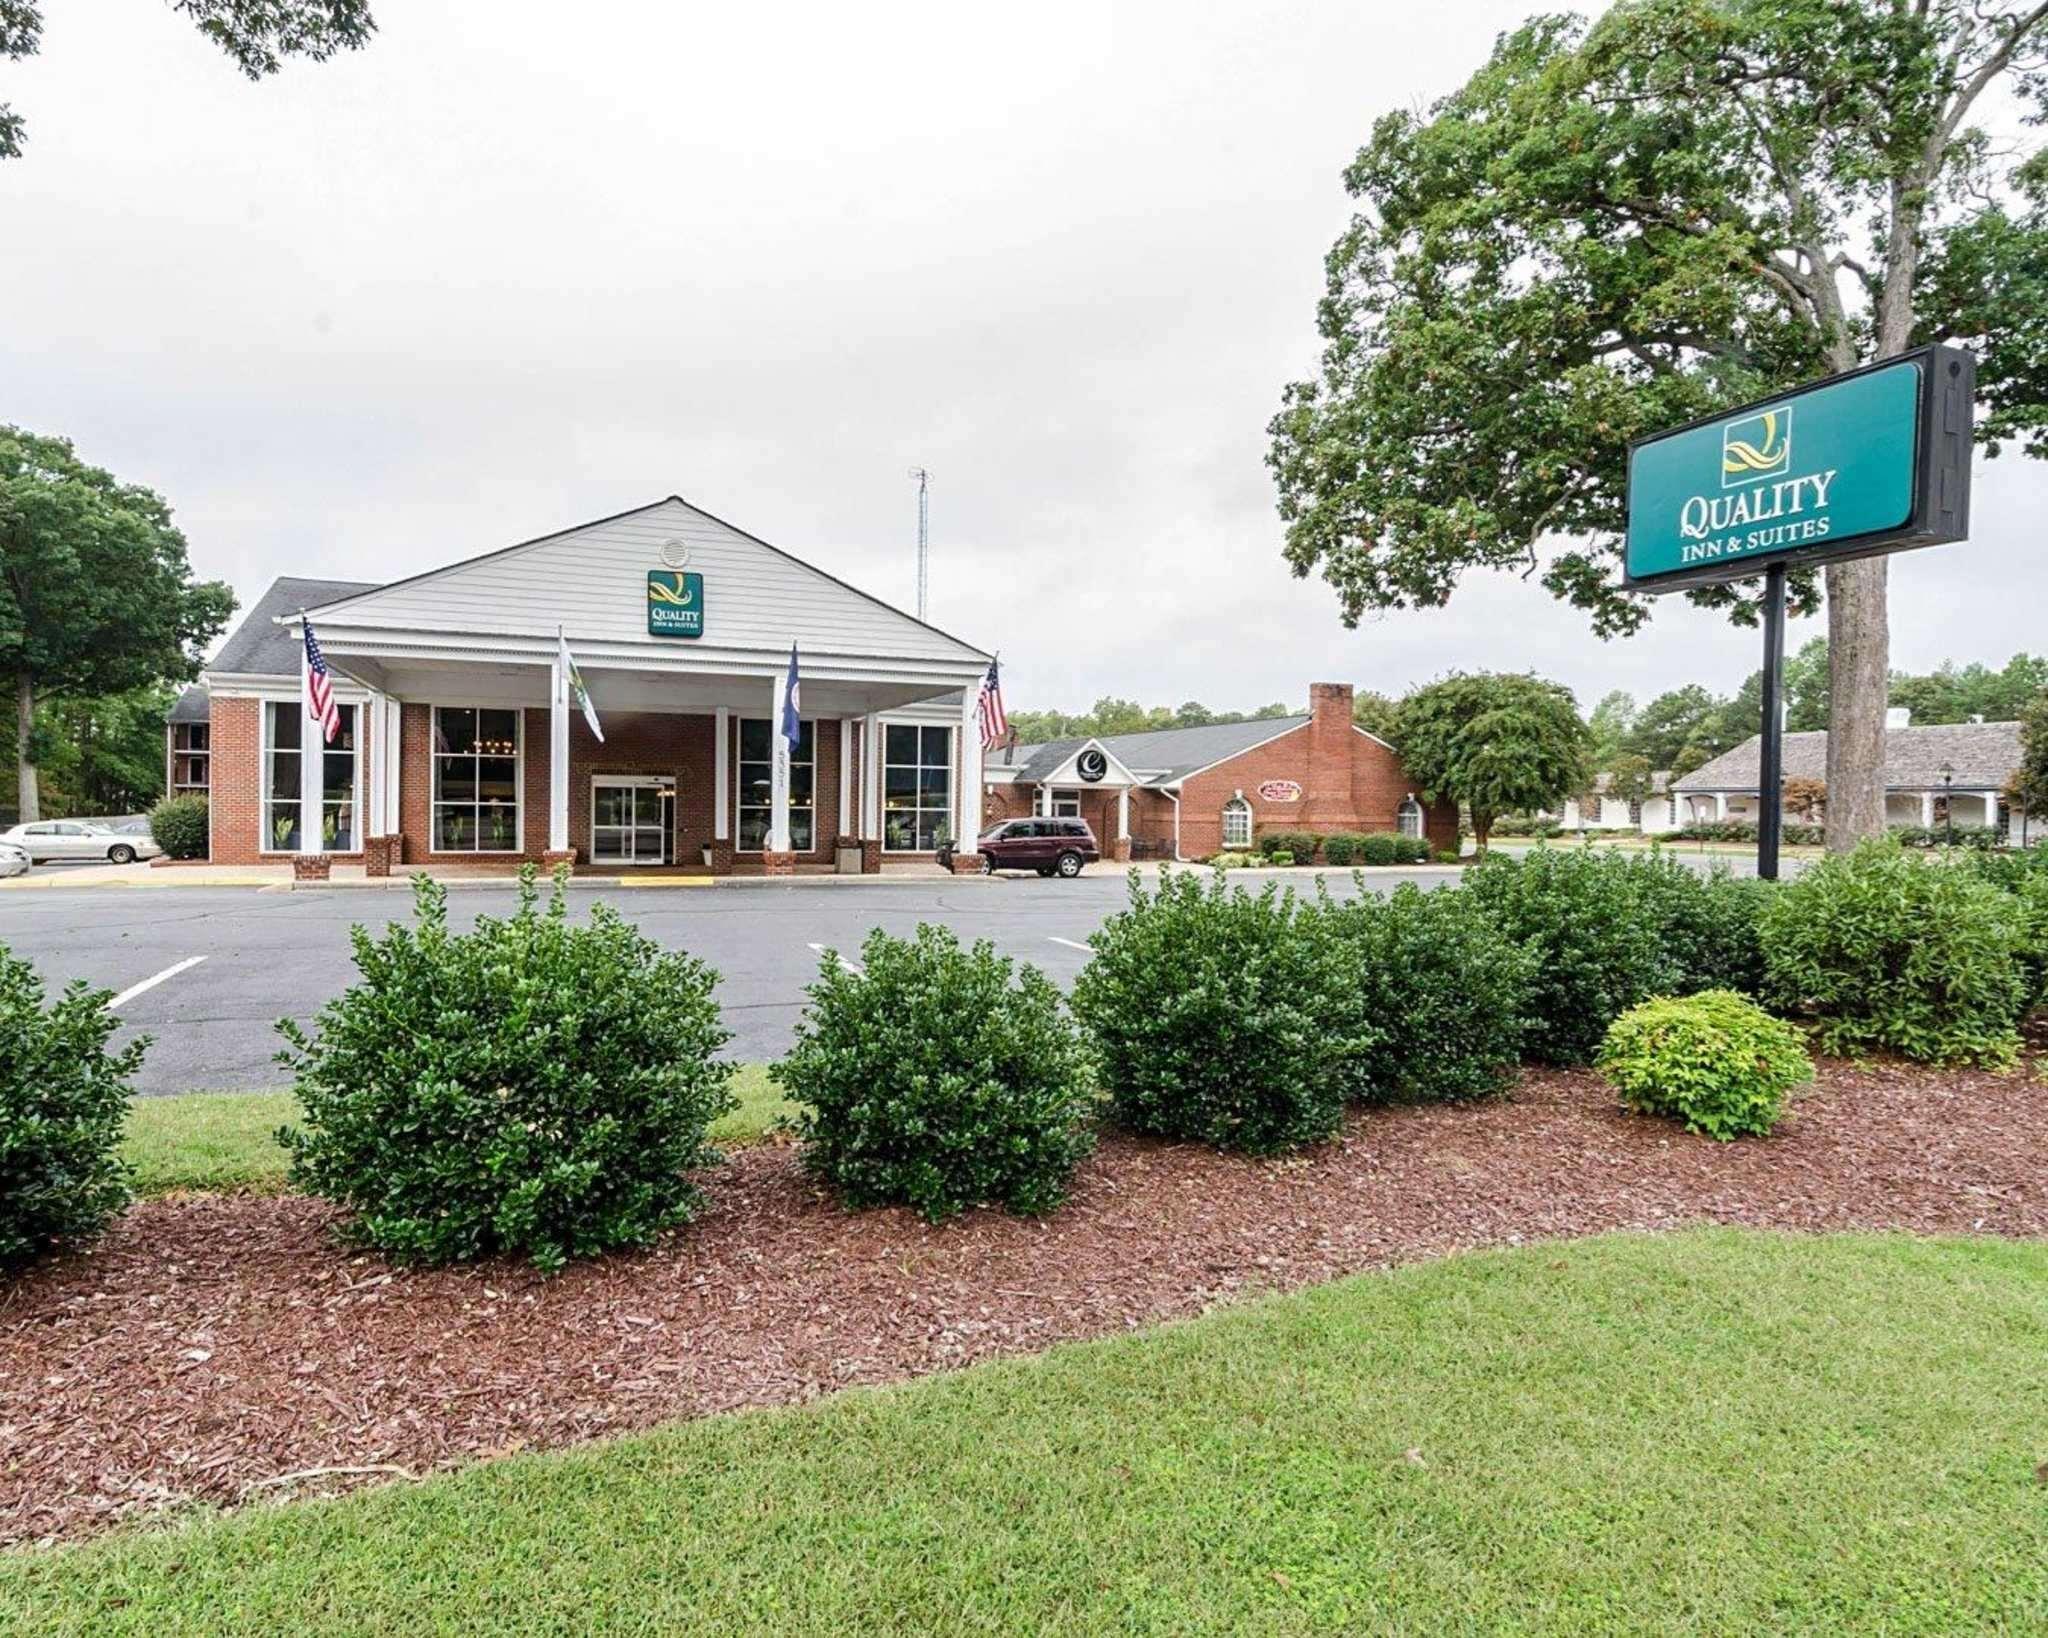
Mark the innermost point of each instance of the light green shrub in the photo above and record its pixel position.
(1715, 1060)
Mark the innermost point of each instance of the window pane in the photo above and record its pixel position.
(455, 829)
(455, 730)
(284, 726)
(611, 805)
(806, 741)
(801, 833)
(338, 826)
(937, 746)
(497, 778)
(345, 735)
(899, 785)
(753, 829)
(281, 827)
(454, 778)
(497, 732)
(899, 742)
(338, 775)
(755, 741)
(497, 828)
(801, 782)
(899, 832)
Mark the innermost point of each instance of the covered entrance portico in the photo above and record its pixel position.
(474, 748)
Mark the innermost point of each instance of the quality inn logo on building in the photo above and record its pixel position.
(1759, 447)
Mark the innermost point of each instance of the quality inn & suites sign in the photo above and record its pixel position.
(1877, 460)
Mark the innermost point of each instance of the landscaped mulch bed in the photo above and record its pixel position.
(211, 1346)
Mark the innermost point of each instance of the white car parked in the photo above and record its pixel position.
(77, 839)
(13, 860)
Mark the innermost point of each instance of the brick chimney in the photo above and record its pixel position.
(1329, 756)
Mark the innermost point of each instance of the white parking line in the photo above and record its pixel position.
(134, 990)
(1072, 945)
(853, 967)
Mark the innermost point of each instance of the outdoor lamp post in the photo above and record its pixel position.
(1948, 808)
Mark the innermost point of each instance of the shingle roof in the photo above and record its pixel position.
(191, 705)
(259, 648)
(1983, 755)
(1161, 755)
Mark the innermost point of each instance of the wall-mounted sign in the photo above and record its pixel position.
(1279, 790)
(1091, 765)
(1877, 460)
(675, 604)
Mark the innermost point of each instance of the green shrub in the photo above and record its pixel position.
(1301, 844)
(1342, 847)
(1280, 856)
(1716, 1060)
(1220, 1016)
(1709, 926)
(939, 1078)
(63, 1102)
(1409, 850)
(1450, 856)
(1235, 861)
(1380, 848)
(177, 824)
(1901, 951)
(532, 1086)
(1584, 914)
(1445, 989)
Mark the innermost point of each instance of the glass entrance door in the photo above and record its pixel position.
(629, 820)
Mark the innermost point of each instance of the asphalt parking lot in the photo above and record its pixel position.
(207, 972)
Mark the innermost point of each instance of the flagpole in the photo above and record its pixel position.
(312, 742)
(558, 748)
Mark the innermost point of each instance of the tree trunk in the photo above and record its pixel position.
(1859, 679)
(24, 770)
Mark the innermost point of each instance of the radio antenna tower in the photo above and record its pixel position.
(924, 534)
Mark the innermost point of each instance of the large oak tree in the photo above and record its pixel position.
(96, 593)
(1612, 228)
(1495, 743)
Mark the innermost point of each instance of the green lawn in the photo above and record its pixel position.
(1707, 1432)
(225, 1140)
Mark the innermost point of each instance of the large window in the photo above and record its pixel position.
(283, 722)
(476, 780)
(191, 752)
(917, 787)
(1066, 804)
(757, 783)
(1408, 820)
(1237, 823)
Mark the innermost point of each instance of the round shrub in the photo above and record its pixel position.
(939, 1078)
(1379, 848)
(1301, 844)
(63, 1101)
(1888, 949)
(1585, 916)
(1709, 926)
(532, 1086)
(1411, 850)
(1716, 1060)
(177, 824)
(1221, 1016)
(1444, 988)
(1341, 847)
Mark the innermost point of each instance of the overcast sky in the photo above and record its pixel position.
(517, 266)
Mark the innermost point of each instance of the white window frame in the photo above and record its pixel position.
(434, 802)
(1066, 805)
(739, 785)
(1237, 808)
(266, 750)
(1410, 809)
(952, 780)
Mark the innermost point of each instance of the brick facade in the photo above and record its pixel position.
(1349, 782)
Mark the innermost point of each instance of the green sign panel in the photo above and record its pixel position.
(1827, 467)
(675, 603)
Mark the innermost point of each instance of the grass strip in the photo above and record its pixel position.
(1714, 1431)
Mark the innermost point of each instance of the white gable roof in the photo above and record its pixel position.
(592, 582)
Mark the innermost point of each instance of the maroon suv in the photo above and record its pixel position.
(1052, 847)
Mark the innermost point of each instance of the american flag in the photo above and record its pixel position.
(320, 704)
(995, 722)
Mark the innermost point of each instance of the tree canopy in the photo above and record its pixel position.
(96, 592)
(1111, 715)
(1614, 227)
(257, 35)
(1495, 742)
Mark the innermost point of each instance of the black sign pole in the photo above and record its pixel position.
(1770, 820)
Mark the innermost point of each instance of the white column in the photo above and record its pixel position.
(390, 737)
(558, 758)
(778, 785)
(1991, 808)
(721, 776)
(848, 826)
(1123, 814)
(1927, 810)
(1720, 805)
(967, 817)
(312, 825)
